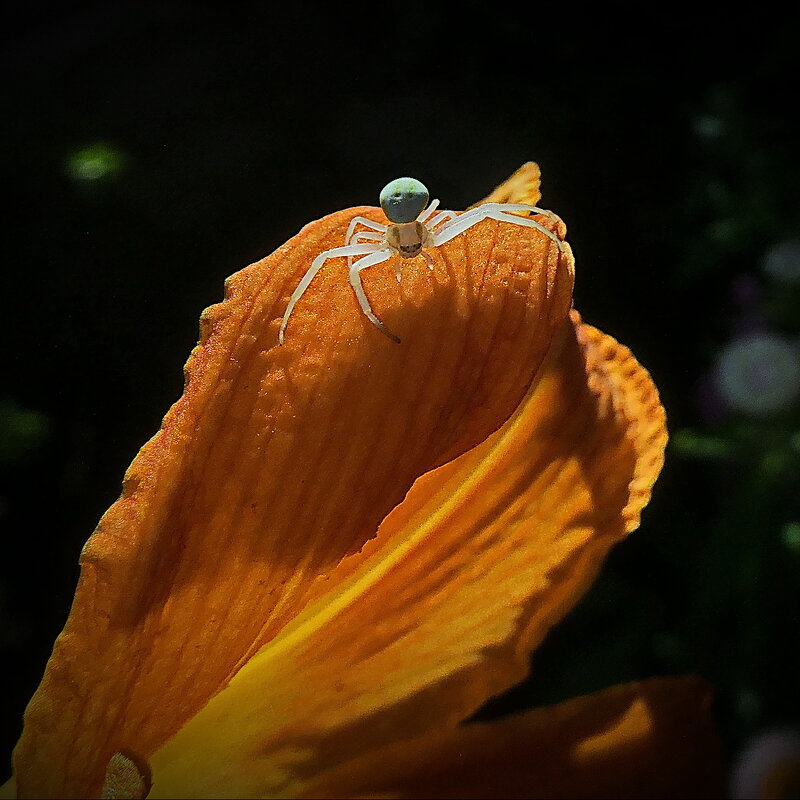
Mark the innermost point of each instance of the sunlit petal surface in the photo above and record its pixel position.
(441, 610)
(522, 187)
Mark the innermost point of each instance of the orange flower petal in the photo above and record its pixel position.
(275, 464)
(522, 187)
(651, 739)
(441, 610)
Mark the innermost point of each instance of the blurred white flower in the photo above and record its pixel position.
(782, 262)
(759, 374)
(768, 767)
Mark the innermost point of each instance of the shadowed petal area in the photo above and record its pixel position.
(276, 464)
(441, 610)
(654, 739)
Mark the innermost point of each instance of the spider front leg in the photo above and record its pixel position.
(366, 236)
(316, 266)
(352, 236)
(525, 222)
(360, 237)
(367, 223)
(492, 211)
(442, 216)
(428, 211)
(519, 207)
(363, 301)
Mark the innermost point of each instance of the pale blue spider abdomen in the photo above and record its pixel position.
(403, 199)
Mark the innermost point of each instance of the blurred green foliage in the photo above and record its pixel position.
(95, 162)
(22, 432)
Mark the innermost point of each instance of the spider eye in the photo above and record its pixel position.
(404, 199)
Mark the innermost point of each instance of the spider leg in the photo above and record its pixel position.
(316, 266)
(518, 207)
(486, 209)
(367, 236)
(526, 222)
(367, 223)
(491, 211)
(351, 236)
(441, 217)
(456, 227)
(355, 282)
(428, 211)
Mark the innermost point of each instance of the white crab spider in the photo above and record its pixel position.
(412, 229)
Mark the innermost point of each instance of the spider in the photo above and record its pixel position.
(412, 229)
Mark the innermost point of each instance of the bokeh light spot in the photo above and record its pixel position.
(782, 262)
(22, 431)
(759, 374)
(791, 536)
(95, 162)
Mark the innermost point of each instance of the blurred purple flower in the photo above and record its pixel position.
(746, 292)
(711, 404)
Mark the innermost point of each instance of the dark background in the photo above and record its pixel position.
(151, 150)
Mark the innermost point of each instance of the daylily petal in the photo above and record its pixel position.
(651, 739)
(275, 464)
(521, 187)
(441, 610)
